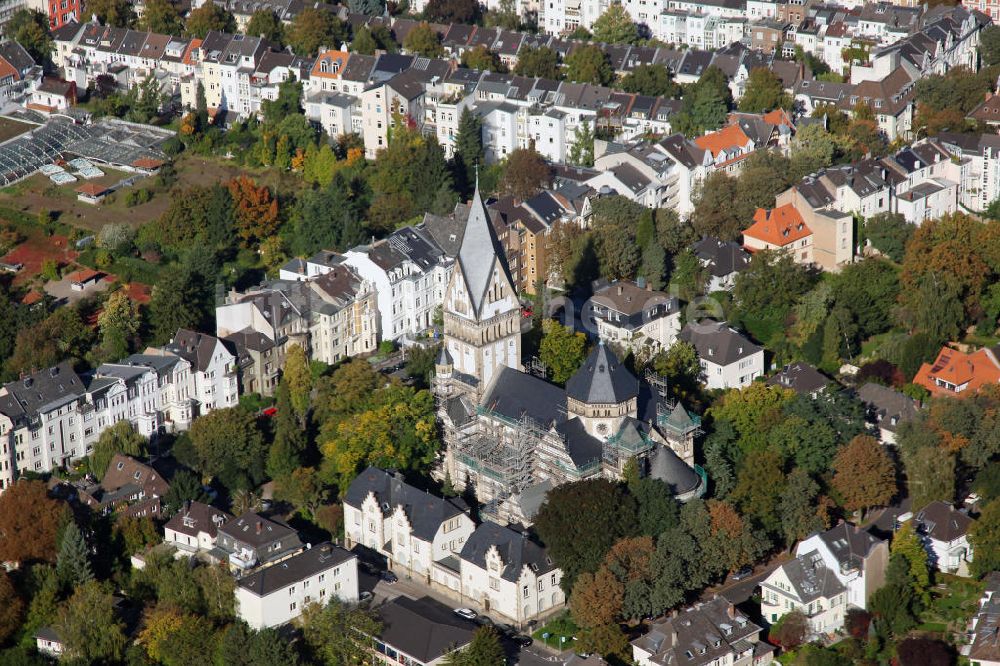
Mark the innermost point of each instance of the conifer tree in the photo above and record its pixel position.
(73, 563)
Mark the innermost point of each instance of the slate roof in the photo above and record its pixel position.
(309, 562)
(582, 447)
(942, 522)
(196, 348)
(480, 253)
(800, 377)
(810, 578)
(849, 544)
(424, 629)
(886, 406)
(721, 257)
(986, 640)
(41, 391)
(517, 550)
(602, 379)
(425, 512)
(667, 467)
(244, 530)
(196, 517)
(515, 394)
(716, 342)
(127, 471)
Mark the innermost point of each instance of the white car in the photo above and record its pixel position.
(466, 613)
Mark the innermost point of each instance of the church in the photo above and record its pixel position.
(511, 436)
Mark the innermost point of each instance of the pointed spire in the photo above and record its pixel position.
(480, 251)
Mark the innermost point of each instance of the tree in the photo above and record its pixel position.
(484, 650)
(452, 11)
(984, 535)
(469, 153)
(864, 475)
(989, 46)
(11, 608)
(925, 651)
(254, 210)
(889, 233)
(596, 599)
(177, 302)
(616, 235)
(812, 149)
(906, 544)
(89, 627)
(615, 26)
(60, 336)
(117, 13)
(285, 454)
(770, 285)
(367, 7)
(930, 475)
(207, 18)
(315, 27)
(764, 92)
(482, 59)
(230, 446)
(525, 173)
(582, 151)
(542, 62)
(589, 64)
(297, 375)
(302, 489)
(241, 646)
(119, 324)
(364, 42)
(800, 511)
(657, 509)
(790, 631)
(329, 217)
(423, 40)
(184, 487)
(329, 632)
(73, 563)
(265, 23)
(30, 29)
(705, 104)
(651, 80)
(579, 546)
(562, 350)
(137, 533)
(679, 365)
(29, 523)
(760, 482)
(412, 170)
(160, 16)
(714, 211)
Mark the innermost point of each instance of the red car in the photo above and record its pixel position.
(269, 412)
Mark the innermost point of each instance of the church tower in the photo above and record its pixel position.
(482, 314)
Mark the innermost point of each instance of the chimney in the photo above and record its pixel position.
(259, 527)
(731, 611)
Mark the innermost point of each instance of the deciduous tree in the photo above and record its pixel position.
(207, 18)
(540, 62)
(111, 12)
(230, 446)
(314, 27)
(764, 92)
(265, 23)
(255, 210)
(906, 544)
(484, 650)
(29, 523)
(864, 475)
(89, 626)
(297, 376)
(615, 26)
(329, 632)
(562, 350)
(589, 64)
(30, 29)
(524, 174)
(161, 16)
(790, 630)
(423, 40)
(11, 608)
(452, 11)
(984, 535)
(651, 80)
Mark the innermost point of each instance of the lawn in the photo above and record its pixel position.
(953, 602)
(559, 632)
(11, 128)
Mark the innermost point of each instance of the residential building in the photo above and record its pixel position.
(944, 531)
(887, 409)
(18, 72)
(128, 488)
(276, 594)
(213, 369)
(636, 319)
(421, 632)
(821, 206)
(410, 527)
(253, 540)
(805, 584)
(801, 378)
(983, 648)
(728, 359)
(857, 558)
(195, 527)
(508, 574)
(724, 260)
(711, 632)
(959, 374)
(783, 229)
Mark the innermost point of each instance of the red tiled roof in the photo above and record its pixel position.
(338, 58)
(92, 189)
(780, 226)
(147, 163)
(729, 136)
(32, 297)
(971, 370)
(84, 275)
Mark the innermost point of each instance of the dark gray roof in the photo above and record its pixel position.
(800, 377)
(708, 631)
(15, 54)
(195, 517)
(515, 394)
(810, 577)
(195, 348)
(582, 447)
(721, 257)
(425, 512)
(480, 253)
(849, 544)
(717, 342)
(602, 379)
(41, 391)
(942, 522)
(424, 629)
(256, 530)
(666, 466)
(887, 407)
(516, 549)
(309, 562)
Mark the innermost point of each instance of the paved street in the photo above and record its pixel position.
(740, 591)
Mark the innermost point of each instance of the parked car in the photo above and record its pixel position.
(365, 596)
(484, 620)
(466, 613)
(745, 572)
(523, 641)
(389, 578)
(507, 629)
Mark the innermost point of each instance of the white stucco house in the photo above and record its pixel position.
(195, 527)
(728, 359)
(944, 531)
(410, 527)
(807, 585)
(276, 594)
(635, 318)
(856, 557)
